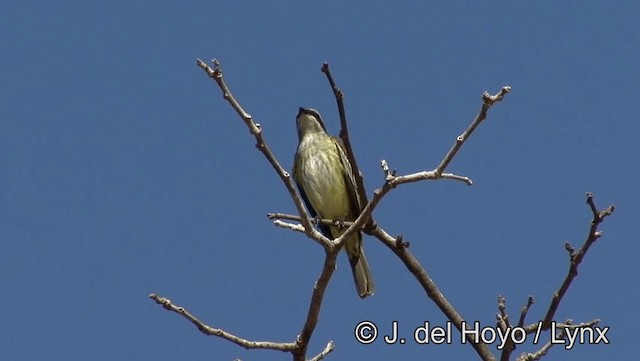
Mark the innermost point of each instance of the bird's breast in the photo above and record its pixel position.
(321, 175)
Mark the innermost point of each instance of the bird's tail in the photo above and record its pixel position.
(361, 272)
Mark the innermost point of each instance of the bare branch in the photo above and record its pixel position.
(543, 350)
(431, 289)
(503, 318)
(438, 172)
(211, 331)
(487, 101)
(509, 346)
(365, 217)
(561, 335)
(302, 341)
(315, 221)
(395, 244)
(540, 353)
(215, 73)
(366, 222)
(452, 176)
(525, 310)
(569, 324)
(289, 217)
(391, 181)
(576, 257)
(503, 323)
(344, 135)
(330, 346)
(292, 226)
(331, 247)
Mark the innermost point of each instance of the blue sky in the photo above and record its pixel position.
(124, 172)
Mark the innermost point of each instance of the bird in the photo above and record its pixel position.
(327, 185)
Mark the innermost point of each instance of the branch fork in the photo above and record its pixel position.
(365, 222)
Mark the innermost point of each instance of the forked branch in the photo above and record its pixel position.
(576, 257)
(364, 221)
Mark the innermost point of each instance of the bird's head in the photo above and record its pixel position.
(309, 121)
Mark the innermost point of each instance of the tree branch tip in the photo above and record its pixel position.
(569, 248)
(211, 71)
(489, 99)
(159, 299)
(460, 178)
(607, 211)
(164, 302)
(327, 349)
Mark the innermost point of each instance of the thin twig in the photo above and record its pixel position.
(505, 325)
(331, 248)
(561, 335)
(525, 310)
(344, 135)
(395, 244)
(292, 226)
(330, 346)
(302, 341)
(576, 257)
(315, 221)
(540, 353)
(255, 129)
(429, 286)
(438, 173)
(211, 331)
(365, 217)
(487, 101)
(503, 318)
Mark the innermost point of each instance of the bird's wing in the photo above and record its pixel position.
(349, 179)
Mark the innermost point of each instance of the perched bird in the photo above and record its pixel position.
(323, 174)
